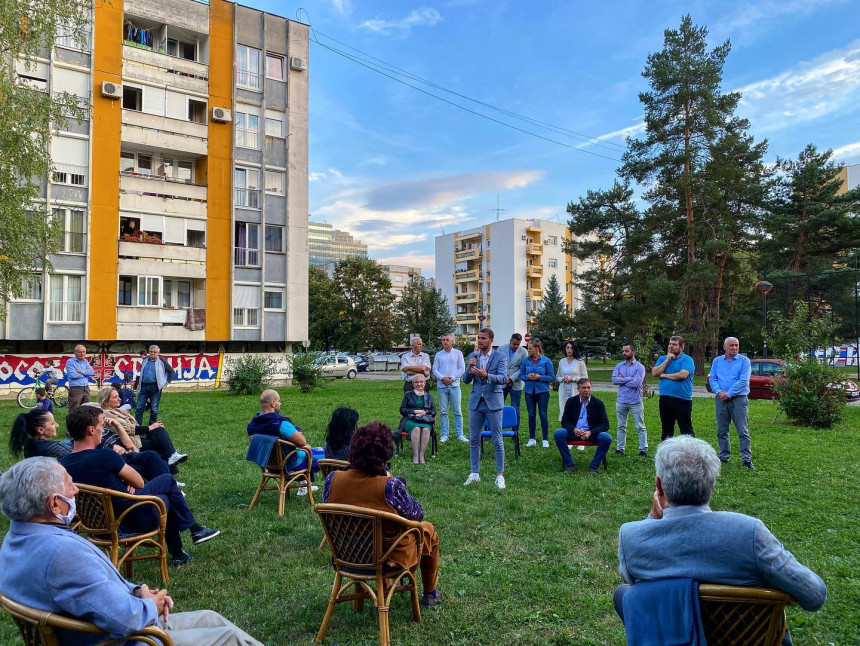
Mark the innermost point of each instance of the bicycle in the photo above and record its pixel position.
(58, 394)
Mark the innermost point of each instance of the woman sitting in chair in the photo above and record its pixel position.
(418, 412)
(33, 434)
(367, 484)
(341, 428)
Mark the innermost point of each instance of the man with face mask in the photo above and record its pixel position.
(45, 565)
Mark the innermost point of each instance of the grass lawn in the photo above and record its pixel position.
(535, 564)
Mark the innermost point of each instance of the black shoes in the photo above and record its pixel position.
(748, 465)
(570, 469)
(592, 471)
(643, 453)
(724, 460)
(204, 534)
(431, 599)
(183, 559)
(619, 451)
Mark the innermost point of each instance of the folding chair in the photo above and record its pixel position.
(510, 428)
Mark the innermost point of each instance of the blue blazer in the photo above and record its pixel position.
(492, 388)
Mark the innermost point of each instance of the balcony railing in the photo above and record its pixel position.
(535, 249)
(468, 254)
(248, 80)
(468, 297)
(249, 197)
(465, 276)
(471, 317)
(534, 272)
(245, 257)
(247, 138)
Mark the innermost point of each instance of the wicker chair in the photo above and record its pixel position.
(38, 627)
(281, 453)
(101, 526)
(735, 616)
(354, 536)
(327, 466)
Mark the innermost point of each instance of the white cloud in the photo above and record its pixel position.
(848, 153)
(343, 7)
(754, 17)
(424, 17)
(629, 131)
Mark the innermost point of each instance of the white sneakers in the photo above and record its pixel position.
(304, 490)
(473, 477)
(177, 458)
(500, 482)
(545, 444)
(462, 438)
(443, 439)
(531, 442)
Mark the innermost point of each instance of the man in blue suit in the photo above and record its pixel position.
(683, 538)
(487, 371)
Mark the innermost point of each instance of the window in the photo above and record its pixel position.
(275, 127)
(68, 39)
(197, 111)
(248, 67)
(275, 182)
(132, 98)
(70, 174)
(168, 292)
(275, 67)
(247, 250)
(195, 239)
(273, 300)
(31, 288)
(246, 316)
(553, 264)
(183, 293)
(274, 238)
(74, 230)
(149, 291)
(178, 170)
(126, 286)
(181, 49)
(247, 130)
(66, 304)
(135, 163)
(247, 183)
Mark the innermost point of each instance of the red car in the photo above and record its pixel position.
(763, 372)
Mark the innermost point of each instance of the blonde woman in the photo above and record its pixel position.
(571, 368)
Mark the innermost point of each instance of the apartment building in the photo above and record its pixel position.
(400, 277)
(329, 245)
(495, 275)
(183, 192)
(850, 176)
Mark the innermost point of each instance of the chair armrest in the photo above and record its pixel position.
(142, 501)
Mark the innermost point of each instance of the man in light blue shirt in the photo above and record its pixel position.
(730, 381)
(448, 367)
(675, 372)
(78, 373)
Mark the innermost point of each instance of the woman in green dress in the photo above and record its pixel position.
(419, 414)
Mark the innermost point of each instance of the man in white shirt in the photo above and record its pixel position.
(448, 367)
(414, 362)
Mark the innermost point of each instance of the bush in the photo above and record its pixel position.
(250, 374)
(306, 374)
(805, 397)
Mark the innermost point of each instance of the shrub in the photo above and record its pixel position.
(805, 397)
(306, 374)
(250, 374)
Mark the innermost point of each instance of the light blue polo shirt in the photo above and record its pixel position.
(681, 389)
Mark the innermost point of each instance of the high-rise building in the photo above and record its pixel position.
(495, 275)
(850, 176)
(183, 193)
(400, 277)
(329, 245)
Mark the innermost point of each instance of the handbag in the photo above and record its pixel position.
(423, 419)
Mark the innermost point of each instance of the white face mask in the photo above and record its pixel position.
(69, 516)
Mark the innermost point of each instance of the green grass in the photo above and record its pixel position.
(535, 564)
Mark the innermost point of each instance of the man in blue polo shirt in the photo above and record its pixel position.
(675, 372)
(730, 381)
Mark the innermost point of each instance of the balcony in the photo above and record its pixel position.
(466, 298)
(247, 80)
(156, 132)
(467, 236)
(163, 323)
(469, 317)
(534, 271)
(154, 194)
(536, 293)
(466, 276)
(145, 65)
(247, 138)
(533, 231)
(143, 259)
(248, 198)
(468, 254)
(534, 249)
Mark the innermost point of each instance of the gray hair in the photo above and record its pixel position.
(688, 469)
(731, 338)
(104, 394)
(27, 485)
(154, 347)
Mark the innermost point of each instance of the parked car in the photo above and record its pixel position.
(338, 366)
(763, 373)
(364, 364)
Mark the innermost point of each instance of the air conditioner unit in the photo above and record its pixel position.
(525, 237)
(546, 241)
(111, 90)
(221, 115)
(298, 63)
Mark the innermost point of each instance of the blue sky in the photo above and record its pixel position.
(395, 167)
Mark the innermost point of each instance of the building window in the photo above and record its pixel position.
(248, 67)
(178, 170)
(181, 49)
(275, 67)
(274, 238)
(275, 180)
(74, 230)
(149, 291)
(197, 111)
(135, 163)
(247, 130)
(68, 39)
(195, 239)
(69, 174)
(126, 287)
(247, 183)
(183, 293)
(132, 98)
(273, 300)
(275, 127)
(66, 304)
(31, 288)
(247, 250)
(168, 292)
(553, 264)
(246, 316)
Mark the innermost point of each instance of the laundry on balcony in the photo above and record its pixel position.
(196, 319)
(138, 36)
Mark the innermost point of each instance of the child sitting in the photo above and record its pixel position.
(42, 401)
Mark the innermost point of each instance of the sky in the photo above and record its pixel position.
(397, 167)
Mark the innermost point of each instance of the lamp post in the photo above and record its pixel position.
(763, 287)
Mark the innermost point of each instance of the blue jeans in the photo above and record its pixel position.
(516, 397)
(476, 425)
(735, 410)
(539, 400)
(563, 436)
(151, 395)
(621, 412)
(450, 395)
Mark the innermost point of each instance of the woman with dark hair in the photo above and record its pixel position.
(571, 368)
(31, 434)
(366, 483)
(341, 428)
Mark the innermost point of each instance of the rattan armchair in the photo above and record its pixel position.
(739, 616)
(38, 627)
(327, 466)
(102, 527)
(355, 537)
(282, 452)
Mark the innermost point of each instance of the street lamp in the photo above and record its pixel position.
(763, 287)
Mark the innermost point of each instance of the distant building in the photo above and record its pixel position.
(500, 271)
(850, 176)
(400, 276)
(329, 245)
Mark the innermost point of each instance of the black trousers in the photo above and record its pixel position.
(673, 409)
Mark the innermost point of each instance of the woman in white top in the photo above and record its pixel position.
(571, 369)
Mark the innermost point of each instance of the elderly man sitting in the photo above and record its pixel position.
(45, 565)
(683, 538)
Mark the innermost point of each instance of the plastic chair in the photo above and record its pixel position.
(398, 441)
(587, 445)
(282, 452)
(740, 615)
(510, 428)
